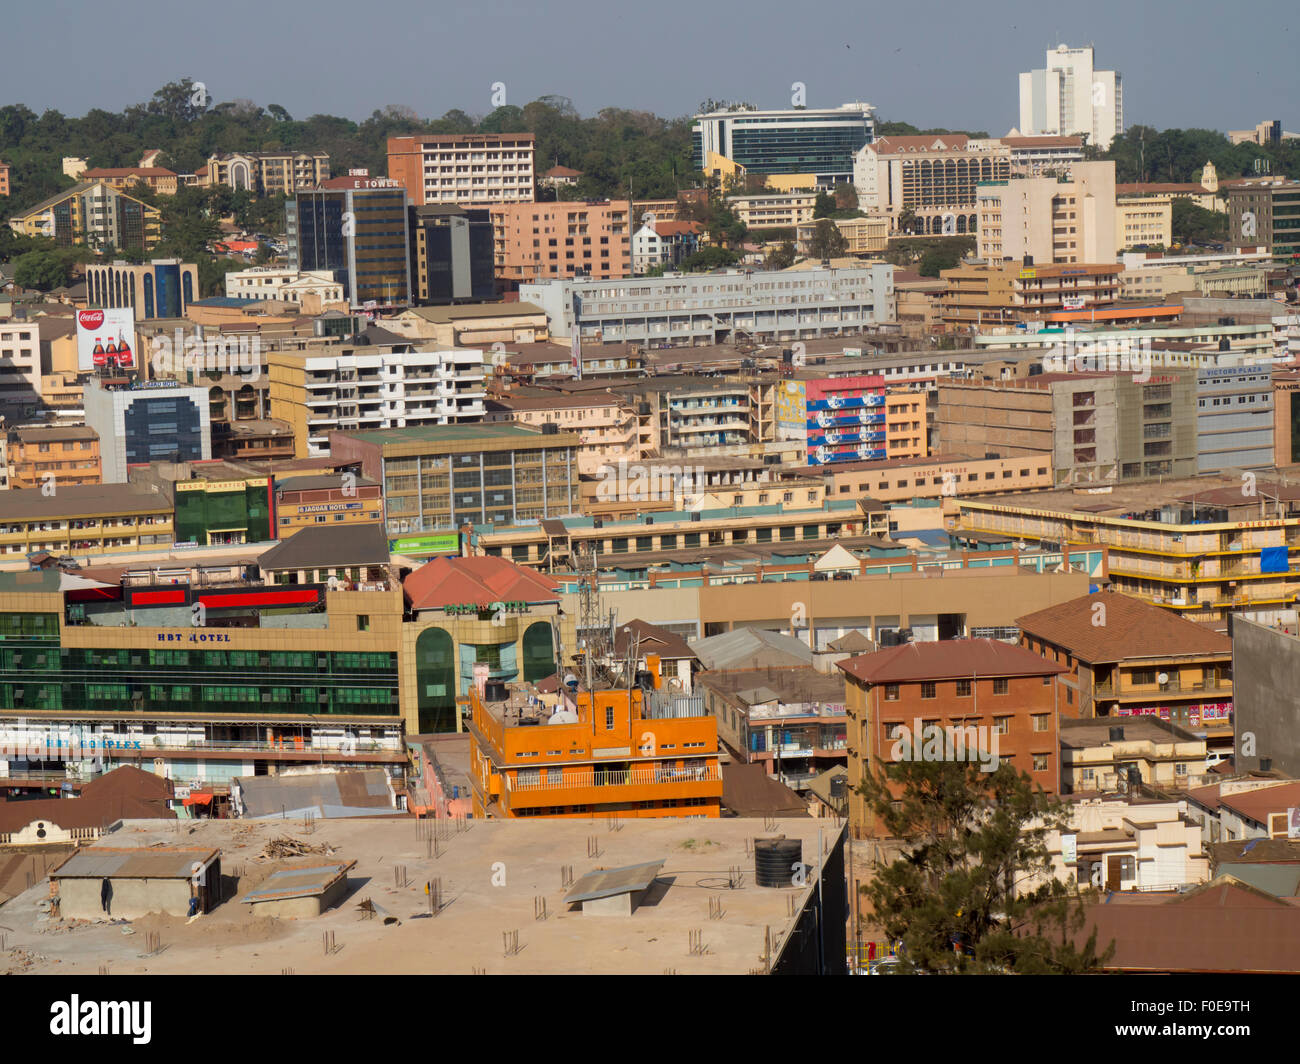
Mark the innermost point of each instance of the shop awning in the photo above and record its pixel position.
(198, 798)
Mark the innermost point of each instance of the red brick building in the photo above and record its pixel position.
(999, 700)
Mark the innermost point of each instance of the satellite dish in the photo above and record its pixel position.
(1163, 677)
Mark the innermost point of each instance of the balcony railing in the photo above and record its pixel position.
(638, 777)
(1107, 690)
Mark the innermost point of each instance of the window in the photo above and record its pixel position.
(609, 718)
(1001, 686)
(963, 689)
(1040, 762)
(363, 622)
(927, 690)
(1047, 681)
(1180, 769)
(1041, 722)
(891, 692)
(1001, 725)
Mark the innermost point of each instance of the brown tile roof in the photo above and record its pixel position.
(128, 171)
(1256, 851)
(651, 639)
(1132, 629)
(747, 790)
(448, 581)
(920, 142)
(129, 782)
(948, 659)
(1225, 926)
(1257, 804)
(1043, 142)
(71, 813)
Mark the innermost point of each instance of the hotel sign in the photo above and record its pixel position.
(194, 637)
(325, 507)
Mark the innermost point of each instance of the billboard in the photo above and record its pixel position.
(105, 338)
(444, 543)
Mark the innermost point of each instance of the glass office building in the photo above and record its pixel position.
(804, 141)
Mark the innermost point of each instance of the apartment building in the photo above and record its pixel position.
(1000, 700)
(1070, 97)
(356, 228)
(157, 421)
(943, 477)
(1264, 211)
(1049, 219)
(5, 168)
(1286, 418)
(438, 478)
(469, 169)
(1143, 221)
(1096, 427)
(85, 519)
(1265, 667)
(575, 238)
(365, 388)
(284, 285)
(663, 243)
(43, 457)
(624, 753)
(606, 426)
(1043, 154)
(778, 210)
(20, 364)
(1124, 657)
(325, 497)
(281, 173)
(451, 254)
(472, 325)
(934, 178)
(862, 236)
(161, 288)
(716, 308)
(818, 141)
(789, 720)
(95, 215)
(1104, 756)
(157, 179)
(835, 419)
(1196, 546)
(991, 294)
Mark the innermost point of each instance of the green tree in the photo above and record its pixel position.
(846, 196)
(1192, 223)
(42, 270)
(710, 258)
(781, 257)
(975, 892)
(935, 259)
(824, 206)
(827, 241)
(907, 221)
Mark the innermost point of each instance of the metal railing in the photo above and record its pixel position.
(613, 778)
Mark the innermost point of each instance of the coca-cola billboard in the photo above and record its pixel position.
(106, 339)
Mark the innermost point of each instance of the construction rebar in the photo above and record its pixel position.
(539, 907)
(566, 875)
(593, 845)
(696, 938)
(510, 942)
(715, 907)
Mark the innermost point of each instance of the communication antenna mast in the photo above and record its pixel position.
(594, 625)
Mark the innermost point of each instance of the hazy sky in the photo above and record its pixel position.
(1190, 63)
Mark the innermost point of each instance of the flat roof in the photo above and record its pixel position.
(83, 500)
(466, 934)
(303, 882)
(608, 882)
(455, 434)
(134, 862)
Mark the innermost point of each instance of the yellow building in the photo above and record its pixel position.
(863, 236)
(1143, 221)
(95, 214)
(779, 210)
(84, 520)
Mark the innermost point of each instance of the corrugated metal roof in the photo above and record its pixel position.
(299, 882)
(153, 862)
(611, 881)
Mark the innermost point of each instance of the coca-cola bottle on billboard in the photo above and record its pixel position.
(124, 358)
(97, 355)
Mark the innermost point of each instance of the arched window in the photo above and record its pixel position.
(435, 679)
(187, 289)
(539, 652)
(148, 295)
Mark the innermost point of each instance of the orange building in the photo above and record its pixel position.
(552, 756)
(4, 179)
(124, 178)
(539, 241)
(70, 455)
(996, 702)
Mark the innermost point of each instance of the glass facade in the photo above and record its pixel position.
(162, 429)
(790, 142)
(36, 673)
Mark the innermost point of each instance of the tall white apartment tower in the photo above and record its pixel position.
(1070, 97)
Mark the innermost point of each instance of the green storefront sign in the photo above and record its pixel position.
(446, 543)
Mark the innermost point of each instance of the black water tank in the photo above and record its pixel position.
(1116, 735)
(550, 428)
(775, 861)
(494, 691)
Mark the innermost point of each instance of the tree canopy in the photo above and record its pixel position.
(975, 892)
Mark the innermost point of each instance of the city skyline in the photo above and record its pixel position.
(882, 57)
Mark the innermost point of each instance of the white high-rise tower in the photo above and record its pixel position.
(1070, 97)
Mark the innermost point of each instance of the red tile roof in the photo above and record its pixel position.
(921, 143)
(677, 228)
(127, 171)
(1044, 141)
(1132, 629)
(948, 659)
(1258, 803)
(452, 581)
(562, 171)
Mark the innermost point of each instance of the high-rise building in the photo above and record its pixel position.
(1265, 212)
(155, 422)
(817, 141)
(1070, 97)
(357, 227)
(163, 288)
(1047, 220)
(470, 169)
(451, 254)
(95, 214)
(571, 238)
